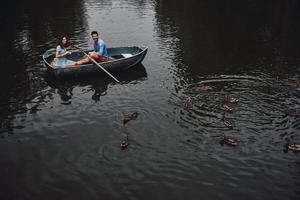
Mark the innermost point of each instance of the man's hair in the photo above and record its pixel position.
(94, 32)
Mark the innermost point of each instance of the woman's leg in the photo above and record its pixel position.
(71, 64)
(87, 60)
(84, 60)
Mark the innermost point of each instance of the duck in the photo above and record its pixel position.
(125, 143)
(230, 99)
(203, 88)
(228, 141)
(294, 114)
(188, 102)
(227, 123)
(130, 117)
(294, 147)
(225, 108)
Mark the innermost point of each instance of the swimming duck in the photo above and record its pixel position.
(125, 143)
(230, 99)
(225, 108)
(294, 147)
(298, 84)
(227, 123)
(130, 117)
(188, 102)
(203, 88)
(294, 114)
(228, 141)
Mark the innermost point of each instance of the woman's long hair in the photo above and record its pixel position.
(60, 43)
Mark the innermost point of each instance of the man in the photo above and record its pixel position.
(97, 45)
(98, 51)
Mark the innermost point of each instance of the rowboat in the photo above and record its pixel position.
(122, 58)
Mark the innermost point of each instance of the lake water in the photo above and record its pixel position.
(60, 139)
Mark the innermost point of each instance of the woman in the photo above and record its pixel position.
(60, 59)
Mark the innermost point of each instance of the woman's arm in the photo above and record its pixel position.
(58, 55)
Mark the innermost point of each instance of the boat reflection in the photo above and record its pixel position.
(98, 84)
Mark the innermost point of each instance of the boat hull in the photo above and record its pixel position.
(125, 57)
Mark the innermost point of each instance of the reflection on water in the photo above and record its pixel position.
(30, 29)
(60, 139)
(229, 38)
(97, 84)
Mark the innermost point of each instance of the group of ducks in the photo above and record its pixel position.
(224, 108)
(227, 123)
(132, 116)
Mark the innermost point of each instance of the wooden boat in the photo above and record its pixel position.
(122, 59)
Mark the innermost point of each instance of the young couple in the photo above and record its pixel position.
(98, 52)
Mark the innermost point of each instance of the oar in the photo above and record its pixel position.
(94, 61)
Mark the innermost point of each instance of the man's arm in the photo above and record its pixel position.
(101, 48)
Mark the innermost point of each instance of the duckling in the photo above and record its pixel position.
(294, 114)
(203, 88)
(230, 99)
(294, 147)
(188, 102)
(228, 141)
(130, 117)
(125, 143)
(227, 123)
(225, 108)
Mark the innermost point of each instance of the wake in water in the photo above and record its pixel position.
(261, 106)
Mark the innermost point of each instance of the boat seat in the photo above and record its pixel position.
(126, 55)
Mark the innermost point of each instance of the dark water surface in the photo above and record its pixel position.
(60, 139)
